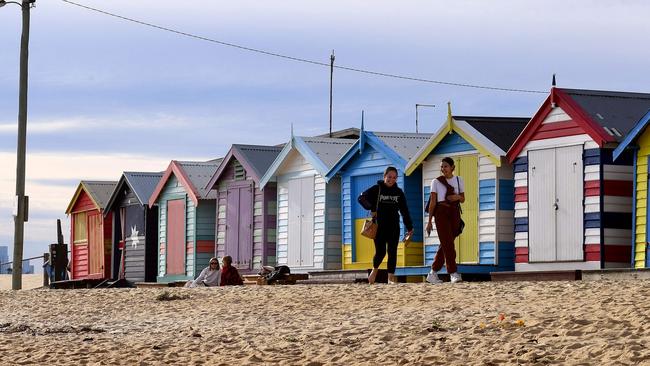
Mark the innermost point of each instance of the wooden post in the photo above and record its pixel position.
(46, 276)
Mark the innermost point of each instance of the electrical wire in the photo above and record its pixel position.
(298, 59)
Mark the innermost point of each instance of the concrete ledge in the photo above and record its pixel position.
(574, 275)
(616, 274)
(339, 275)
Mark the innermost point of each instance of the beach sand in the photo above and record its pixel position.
(489, 323)
(30, 281)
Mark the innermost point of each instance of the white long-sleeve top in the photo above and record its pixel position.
(208, 277)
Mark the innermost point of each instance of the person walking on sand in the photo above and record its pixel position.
(389, 202)
(209, 277)
(447, 193)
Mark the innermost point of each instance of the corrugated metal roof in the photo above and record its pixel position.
(100, 191)
(199, 174)
(328, 150)
(143, 184)
(503, 131)
(348, 133)
(404, 144)
(259, 157)
(612, 109)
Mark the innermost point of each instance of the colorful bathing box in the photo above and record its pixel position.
(359, 169)
(573, 202)
(186, 219)
(90, 230)
(246, 215)
(135, 227)
(308, 203)
(478, 146)
(638, 141)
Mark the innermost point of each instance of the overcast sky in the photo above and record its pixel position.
(106, 95)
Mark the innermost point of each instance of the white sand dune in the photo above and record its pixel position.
(602, 322)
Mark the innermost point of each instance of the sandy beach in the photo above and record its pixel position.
(601, 322)
(30, 281)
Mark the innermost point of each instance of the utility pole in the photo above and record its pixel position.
(416, 113)
(21, 200)
(331, 79)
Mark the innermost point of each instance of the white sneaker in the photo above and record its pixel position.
(455, 277)
(433, 278)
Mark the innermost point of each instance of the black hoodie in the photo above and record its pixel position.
(391, 201)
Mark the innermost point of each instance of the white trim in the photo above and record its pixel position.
(555, 142)
(480, 139)
(556, 114)
(556, 266)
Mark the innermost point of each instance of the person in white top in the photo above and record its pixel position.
(447, 193)
(209, 277)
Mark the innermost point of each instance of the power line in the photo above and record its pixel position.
(298, 59)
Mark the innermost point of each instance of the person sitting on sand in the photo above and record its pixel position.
(209, 277)
(229, 274)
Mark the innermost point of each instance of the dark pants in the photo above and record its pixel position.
(447, 222)
(388, 237)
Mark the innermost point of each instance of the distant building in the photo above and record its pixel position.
(28, 268)
(4, 258)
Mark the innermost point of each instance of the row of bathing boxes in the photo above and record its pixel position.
(564, 190)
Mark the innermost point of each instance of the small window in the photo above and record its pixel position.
(80, 228)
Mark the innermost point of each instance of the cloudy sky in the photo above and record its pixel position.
(106, 95)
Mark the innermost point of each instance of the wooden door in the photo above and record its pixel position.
(176, 241)
(569, 191)
(95, 245)
(232, 224)
(245, 221)
(294, 230)
(307, 221)
(541, 205)
(467, 243)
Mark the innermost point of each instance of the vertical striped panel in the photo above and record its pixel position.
(506, 194)
(487, 195)
(333, 250)
(320, 197)
(205, 234)
(641, 232)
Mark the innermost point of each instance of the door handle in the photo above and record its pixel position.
(556, 207)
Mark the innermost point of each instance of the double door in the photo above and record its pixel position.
(555, 210)
(300, 251)
(239, 225)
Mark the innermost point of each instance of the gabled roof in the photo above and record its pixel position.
(607, 116)
(256, 159)
(98, 191)
(348, 133)
(398, 147)
(193, 175)
(491, 136)
(141, 183)
(321, 152)
(631, 137)
(612, 109)
(502, 131)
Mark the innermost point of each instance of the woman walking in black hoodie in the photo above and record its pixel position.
(389, 201)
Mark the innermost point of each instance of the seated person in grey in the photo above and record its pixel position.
(210, 276)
